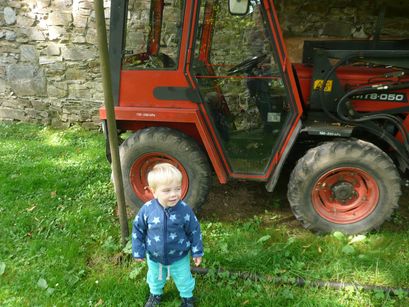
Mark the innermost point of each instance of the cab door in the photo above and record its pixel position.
(239, 70)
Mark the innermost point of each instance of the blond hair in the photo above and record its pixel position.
(163, 174)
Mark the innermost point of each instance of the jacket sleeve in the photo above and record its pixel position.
(139, 228)
(195, 235)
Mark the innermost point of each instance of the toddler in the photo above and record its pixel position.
(165, 232)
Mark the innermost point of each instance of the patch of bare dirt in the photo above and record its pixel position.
(241, 200)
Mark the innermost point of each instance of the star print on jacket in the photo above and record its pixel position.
(166, 234)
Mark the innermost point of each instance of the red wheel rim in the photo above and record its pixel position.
(143, 164)
(345, 195)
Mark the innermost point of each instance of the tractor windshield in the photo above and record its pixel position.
(241, 84)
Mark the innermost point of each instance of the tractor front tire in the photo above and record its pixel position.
(350, 186)
(147, 147)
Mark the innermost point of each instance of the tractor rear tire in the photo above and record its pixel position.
(147, 147)
(350, 186)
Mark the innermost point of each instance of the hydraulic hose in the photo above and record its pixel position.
(373, 89)
(326, 78)
(301, 282)
(370, 126)
(385, 115)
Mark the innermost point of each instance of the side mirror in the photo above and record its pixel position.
(239, 7)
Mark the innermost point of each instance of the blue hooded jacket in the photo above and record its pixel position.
(166, 234)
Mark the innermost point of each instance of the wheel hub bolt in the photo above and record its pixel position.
(343, 191)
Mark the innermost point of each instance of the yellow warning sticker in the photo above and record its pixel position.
(318, 85)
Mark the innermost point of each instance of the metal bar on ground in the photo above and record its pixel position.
(298, 281)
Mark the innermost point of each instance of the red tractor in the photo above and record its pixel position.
(208, 86)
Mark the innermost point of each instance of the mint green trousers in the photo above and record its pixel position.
(179, 271)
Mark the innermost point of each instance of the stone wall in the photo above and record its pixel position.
(339, 19)
(49, 67)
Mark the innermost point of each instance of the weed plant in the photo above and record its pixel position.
(59, 240)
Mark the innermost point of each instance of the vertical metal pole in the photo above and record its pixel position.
(110, 113)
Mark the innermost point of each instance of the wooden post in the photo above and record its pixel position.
(111, 122)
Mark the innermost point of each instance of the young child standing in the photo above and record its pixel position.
(166, 232)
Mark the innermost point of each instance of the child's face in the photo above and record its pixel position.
(168, 194)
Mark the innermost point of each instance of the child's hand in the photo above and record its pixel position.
(139, 260)
(197, 261)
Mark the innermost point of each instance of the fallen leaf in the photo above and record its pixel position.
(50, 291)
(357, 238)
(2, 268)
(348, 249)
(263, 239)
(339, 235)
(31, 209)
(42, 283)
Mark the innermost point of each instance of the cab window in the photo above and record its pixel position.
(153, 34)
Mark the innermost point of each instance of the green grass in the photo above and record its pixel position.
(59, 240)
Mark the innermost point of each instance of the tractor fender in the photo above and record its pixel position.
(271, 183)
(328, 130)
(336, 130)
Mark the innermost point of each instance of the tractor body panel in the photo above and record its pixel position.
(353, 77)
